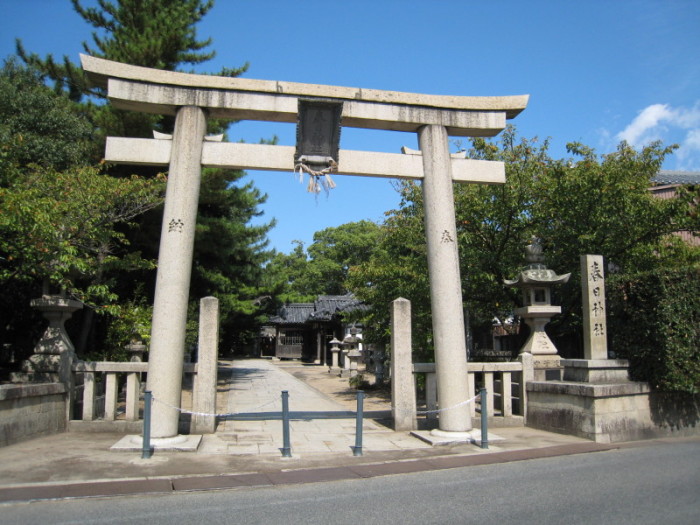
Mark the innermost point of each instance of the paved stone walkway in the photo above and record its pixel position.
(255, 387)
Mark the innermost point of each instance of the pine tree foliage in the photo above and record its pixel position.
(36, 127)
(160, 34)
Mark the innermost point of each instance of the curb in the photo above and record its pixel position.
(282, 477)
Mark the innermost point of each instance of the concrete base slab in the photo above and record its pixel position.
(181, 443)
(453, 438)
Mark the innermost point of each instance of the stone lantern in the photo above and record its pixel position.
(335, 349)
(351, 344)
(536, 281)
(54, 353)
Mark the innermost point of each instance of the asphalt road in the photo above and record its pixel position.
(653, 484)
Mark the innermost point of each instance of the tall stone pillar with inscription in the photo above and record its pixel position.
(595, 366)
(595, 342)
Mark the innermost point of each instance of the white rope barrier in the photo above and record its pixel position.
(229, 414)
(438, 410)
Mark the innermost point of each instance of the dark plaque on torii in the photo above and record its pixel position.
(318, 133)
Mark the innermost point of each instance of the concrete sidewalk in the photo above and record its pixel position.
(244, 453)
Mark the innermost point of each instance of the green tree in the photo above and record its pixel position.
(396, 267)
(230, 253)
(59, 218)
(38, 130)
(322, 269)
(160, 34)
(333, 252)
(36, 127)
(60, 226)
(283, 276)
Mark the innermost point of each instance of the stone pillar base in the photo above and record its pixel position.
(596, 370)
(179, 443)
(547, 367)
(604, 413)
(438, 437)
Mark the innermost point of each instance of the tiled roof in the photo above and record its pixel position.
(294, 313)
(324, 308)
(677, 177)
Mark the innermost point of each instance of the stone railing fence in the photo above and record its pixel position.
(98, 390)
(505, 385)
(100, 383)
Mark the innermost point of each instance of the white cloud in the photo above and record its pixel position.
(689, 152)
(646, 124)
(671, 125)
(692, 139)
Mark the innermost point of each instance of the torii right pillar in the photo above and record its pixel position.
(445, 283)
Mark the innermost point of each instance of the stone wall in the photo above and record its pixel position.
(611, 413)
(31, 410)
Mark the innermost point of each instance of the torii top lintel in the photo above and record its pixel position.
(162, 92)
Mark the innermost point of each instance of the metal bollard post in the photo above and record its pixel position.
(357, 449)
(147, 451)
(484, 419)
(286, 446)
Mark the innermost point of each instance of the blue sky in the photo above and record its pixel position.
(596, 72)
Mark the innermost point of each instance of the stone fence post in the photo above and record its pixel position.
(204, 400)
(528, 375)
(403, 386)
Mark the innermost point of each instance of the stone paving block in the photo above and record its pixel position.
(304, 426)
(340, 446)
(310, 447)
(253, 438)
(248, 426)
(408, 445)
(271, 448)
(242, 449)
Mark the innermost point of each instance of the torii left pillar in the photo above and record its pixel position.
(166, 356)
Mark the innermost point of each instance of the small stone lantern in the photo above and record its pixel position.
(351, 344)
(335, 349)
(135, 349)
(536, 281)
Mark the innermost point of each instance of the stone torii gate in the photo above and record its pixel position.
(193, 98)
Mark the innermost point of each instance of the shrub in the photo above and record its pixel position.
(654, 322)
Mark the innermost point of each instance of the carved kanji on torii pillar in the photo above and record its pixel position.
(193, 98)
